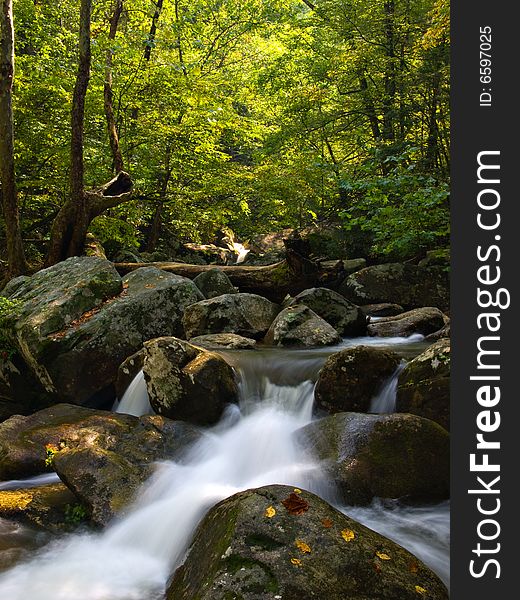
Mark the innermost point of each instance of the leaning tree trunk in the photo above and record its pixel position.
(15, 253)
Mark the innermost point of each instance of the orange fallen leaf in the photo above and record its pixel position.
(413, 567)
(295, 505)
(302, 546)
(348, 535)
(296, 561)
(327, 523)
(383, 556)
(270, 512)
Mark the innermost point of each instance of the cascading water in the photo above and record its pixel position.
(135, 399)
(385, 400)
(252, 446)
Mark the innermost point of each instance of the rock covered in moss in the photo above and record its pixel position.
(424, 384)
(186, 382)
(350, 378)
(222, 341)
(275, 542)
(385, 456)
(247, 315)
(346, 318)
(420, 320)
(79, 320)
(300, 326)
(102, 457)
(382, 309)
(214, 282)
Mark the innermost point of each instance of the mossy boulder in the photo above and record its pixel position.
(247, 315)
(385, 456)
(223, 341)
(424, 384)
(300, 326)
(187, 382)
(346, 318)
(437, 257)
(102, 457)
(410, 286)
(420, 320)
(214, 283)
(350, 378)
(382, 309)
(277, 542)
(79, 320)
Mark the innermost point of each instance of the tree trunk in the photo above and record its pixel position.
(390, 72)
(113, 134)
(153, 30)
(15, 253)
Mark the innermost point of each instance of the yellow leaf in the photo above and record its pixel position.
(348, 535)
(297, 490)
(302, 546)
(420, 590)
(270, 512)
(383, 556)
(296, 561)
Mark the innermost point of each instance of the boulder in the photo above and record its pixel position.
(186, 382)
(383, 309)
(277, 542)
(420, 320)
(214, 283)
(248, 315)
(350, 378)
(385, 456)
(300, 326)
(351, 265)
(346, 318)
(438, 257)
(224, 341)
(444, 332)
(410, 286)
(79, 320)
(102, 457)
(424, 384)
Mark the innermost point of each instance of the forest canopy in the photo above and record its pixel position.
(257, 115)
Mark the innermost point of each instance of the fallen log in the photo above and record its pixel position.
(289, 276)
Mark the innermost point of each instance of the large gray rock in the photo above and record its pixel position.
(385, 456)
(346, 318)
(247, 315)
(300, 326)
(424, 384)
(382, 309)
(102, 457)
(79, 321)
(224, 341)
(214, 283)
(186, 382)
(274, 543)
(410, 286)
(350, 378)
(420, 320)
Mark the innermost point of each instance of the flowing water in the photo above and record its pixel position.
(251, 446)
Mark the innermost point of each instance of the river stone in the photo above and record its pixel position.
(256, 545)
(187, 382)
(248, 315)
(350, 378)
(214, 283)
(420, 320)
(385, 456)
(222, 341)
(383, 309)
(300, 326)
(127, 372)
(74, 332)
(410, 286)
(102, 457)
(445, 332)
(346, 318)
(424, 385)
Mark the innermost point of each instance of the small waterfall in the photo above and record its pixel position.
(241, 251)
(135, 399)
(385, 400)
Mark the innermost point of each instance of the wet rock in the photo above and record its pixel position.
(300, 326)
(420, 320)
(230, 341)
(410, 286)
(127, 372)
(346, 318)
(102, 457)
(79, 321)
(383, 309)
(350, 378)
(424, 384)
(214, 283)
(247, 315)
(385, 456)
(186, 382)
(257, 546)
